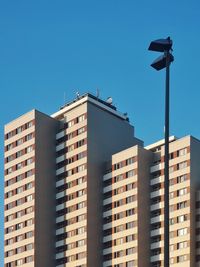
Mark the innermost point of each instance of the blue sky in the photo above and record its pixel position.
(48, 48)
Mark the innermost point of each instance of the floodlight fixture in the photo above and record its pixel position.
(161, 62)
(161, 45)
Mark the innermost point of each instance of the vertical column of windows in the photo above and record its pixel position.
(71, 193)
(19, 195)
(120, 215)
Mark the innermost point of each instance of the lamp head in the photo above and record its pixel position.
(161, 62)
(161, 45)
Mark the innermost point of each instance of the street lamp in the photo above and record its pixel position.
(165, 46)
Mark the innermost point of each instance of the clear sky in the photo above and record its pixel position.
(51, 48)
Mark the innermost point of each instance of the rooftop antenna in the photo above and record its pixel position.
(77, 95)
(98, 93)
(64, 98)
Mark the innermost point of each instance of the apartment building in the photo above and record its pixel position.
(63, 157)
(126, 209)
(82, 191)
(184, 186)
(29, 190)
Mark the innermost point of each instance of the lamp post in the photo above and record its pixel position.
(165, 46)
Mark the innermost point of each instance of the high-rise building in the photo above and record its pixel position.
(82, 191)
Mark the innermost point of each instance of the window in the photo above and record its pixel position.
(19, 262)
(81, 130)
(129, 238)
(80, 243)
(130, 186)
(119, 241)
(9, 170)
(81, 217)
(119, 178)
(181, 258)
(182, 152)
(130, 212)
(130, 199)
(81, 192)
(19, 142)
(119, 228)
(10, 253)
(19, 201)
(182, 245)
(81, 155)
(29, 259)
(29, 149)
(120, 190)
(9, 135)
(19, 250)
(182, 191)
(118, 166)
(10, 217)
(130, 251)
(9, 158)
(19, 130)
(19, 238)
(10, 241)
(29, 210)
(29, 198)
(181, 165)
(119, 203)
(19, 154)
(19, 190)
(29, 161)
(70, 123)
(10, 229)
(130, 263)
(29, 247)
(9, 206)
(181, 218)
(29, 173)
(19, 166)
(19, 226)
(130, 225)
(29, 185)
(129, 161)
(80, 180)
(182, 231)
(29, 124)
(19, 214)
(81, 205)
(29, 222)
(80, 143)
(81, 168)
(181, 178)
(81, 118)
(70, 148)
(81, 230)
(181, 205)
(19, 178)
(29, 136)
(29, 234)
(130, 174)
(10, 146)
(119, 253)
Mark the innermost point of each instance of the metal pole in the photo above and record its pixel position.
(166, 170)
